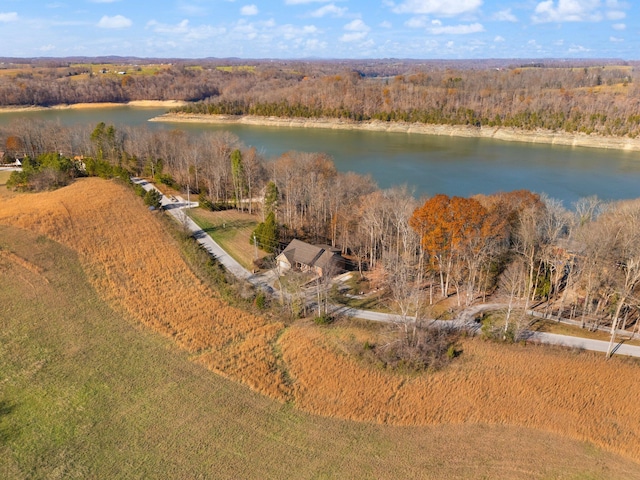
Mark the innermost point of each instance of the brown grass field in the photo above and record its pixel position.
(547, 413)
(4, 193)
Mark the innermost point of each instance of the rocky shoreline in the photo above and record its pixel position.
(498, 133)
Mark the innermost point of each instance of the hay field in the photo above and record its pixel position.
(4, 193)
(541, 393)
(135, 266)
(569, 393)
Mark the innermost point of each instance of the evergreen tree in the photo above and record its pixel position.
(266, 234)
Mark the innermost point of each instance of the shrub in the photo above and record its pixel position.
(18, 181)
(139, 190)
(432, 350)
(166, 179)
(47, 172)
(260, 301)
(153, 198)
(324, 319)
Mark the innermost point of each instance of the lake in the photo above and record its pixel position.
(427, 164)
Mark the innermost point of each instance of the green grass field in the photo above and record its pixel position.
(86, 393)
(231, 229)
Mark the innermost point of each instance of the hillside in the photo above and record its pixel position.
(509, 406)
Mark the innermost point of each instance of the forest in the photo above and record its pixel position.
(519, 247)
(590, 97)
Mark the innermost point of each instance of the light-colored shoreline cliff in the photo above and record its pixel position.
(498, 133)
(84, 106)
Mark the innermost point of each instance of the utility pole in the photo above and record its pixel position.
(255, 247)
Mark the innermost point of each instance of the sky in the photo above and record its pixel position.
(292, 29)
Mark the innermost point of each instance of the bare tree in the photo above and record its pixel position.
(625, 223)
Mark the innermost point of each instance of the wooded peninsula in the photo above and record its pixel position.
(586, 100)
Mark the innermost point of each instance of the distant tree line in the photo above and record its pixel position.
(49, 87)
(596, 97)
(582, 263)
(590, 100)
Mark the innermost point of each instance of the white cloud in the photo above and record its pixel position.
(249, 10)
(567, 11)
(357, 25)
(290, 32)
(619, 26)
(185, 31)
(47, 48)
(505, 16)
(330, 9)
(616, 39)
(417, 22)
(117, 21)
(385, 24)
(8, 17)
(104, 1)
(437, 7)
(578, 49)
(182, 27)
(456, 29)
(191, 9)
(616, 15)
(357, 29)
(499, 38)
(313, 44)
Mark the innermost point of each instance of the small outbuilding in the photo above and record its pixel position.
(320, 259)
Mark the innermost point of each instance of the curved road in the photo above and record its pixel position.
(466, 319)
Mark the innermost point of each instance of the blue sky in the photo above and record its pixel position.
(322, 28)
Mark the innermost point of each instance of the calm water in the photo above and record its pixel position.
(427, 164)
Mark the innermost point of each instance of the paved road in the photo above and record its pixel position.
(465, 320)
(583, 343)
(175, 206)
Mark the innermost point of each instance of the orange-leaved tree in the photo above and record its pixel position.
(459, 236)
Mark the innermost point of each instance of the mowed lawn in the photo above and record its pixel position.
(86, 393)
(232, 230)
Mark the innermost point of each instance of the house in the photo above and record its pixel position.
(5, 160)
(321, 259)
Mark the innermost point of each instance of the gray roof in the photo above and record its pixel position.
(301, 252)
(312, 255)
